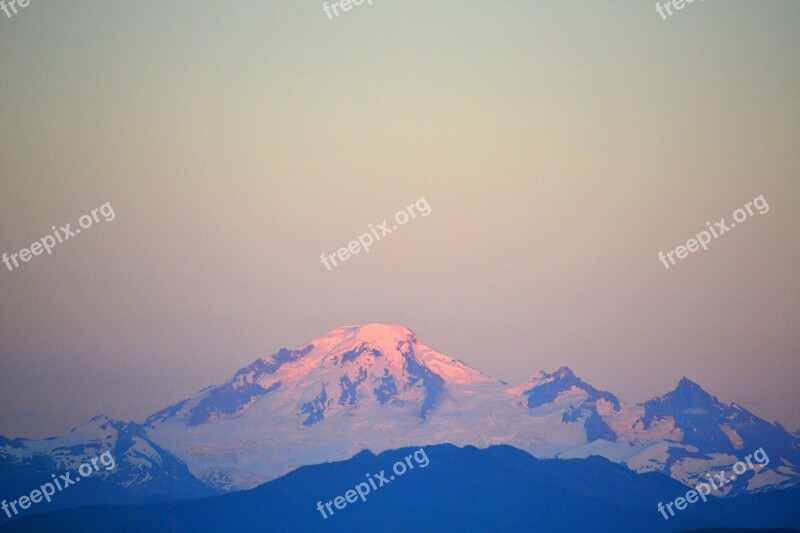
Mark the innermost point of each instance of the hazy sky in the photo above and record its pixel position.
(560, 145)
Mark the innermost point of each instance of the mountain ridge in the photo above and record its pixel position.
(377, 386)
(448, 493)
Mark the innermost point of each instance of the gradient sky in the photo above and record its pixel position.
(561, 146)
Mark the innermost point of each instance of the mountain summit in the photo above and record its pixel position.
(365, 366)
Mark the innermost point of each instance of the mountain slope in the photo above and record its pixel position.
(142, 470)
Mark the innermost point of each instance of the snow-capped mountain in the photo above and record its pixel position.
(714, 435)
(378, 387)
(142, 468)
(357, 387)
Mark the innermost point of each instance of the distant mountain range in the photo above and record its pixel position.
(377, 387)
(499, 488)
(144, 471)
